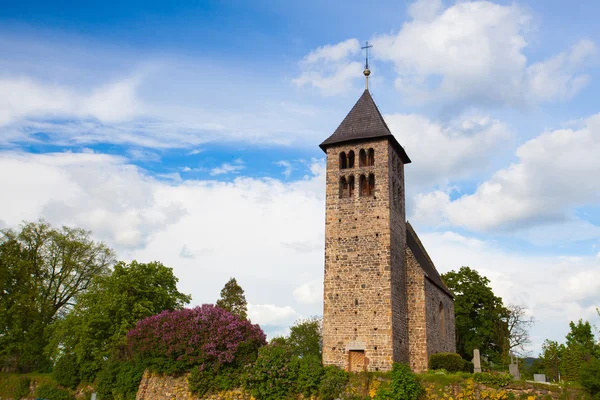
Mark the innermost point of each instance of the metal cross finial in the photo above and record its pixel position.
(367, 71)
(367, 47)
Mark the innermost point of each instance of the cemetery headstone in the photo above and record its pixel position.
(476, 361)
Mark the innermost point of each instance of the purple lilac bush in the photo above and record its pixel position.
(207, 337)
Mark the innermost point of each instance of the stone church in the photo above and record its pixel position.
(384, 300)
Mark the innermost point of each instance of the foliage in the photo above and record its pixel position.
(119, 380)
(480, 316)
(51, 392)
(42, 270)
(22, 389)
(451, 362)
(206, 336)
(111, 307)
(66, 371)
(493, 378)
(550, 358)
(215, 380)
(233, 299)
(468, 367)
(333, 382)
(308, 373)
(589, 376)
(306, 337)
(404, 385)
(271, 378)
(580, 348)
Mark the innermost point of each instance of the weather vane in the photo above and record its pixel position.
(367, 71)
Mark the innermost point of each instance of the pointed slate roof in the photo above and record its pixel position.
(363, 122)
(414, 244)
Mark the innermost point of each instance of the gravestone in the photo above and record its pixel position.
(513, 369)
(93, 396)
(539, 377)
(476, 361)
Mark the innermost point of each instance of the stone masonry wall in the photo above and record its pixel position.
(361, 311)
(417, 333)
(440, 321)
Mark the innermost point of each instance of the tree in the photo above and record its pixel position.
(580, 348)
(518, 324)
(42, 270)
(111, 307)
(306, 337)
(233, 299)
(551, 356)
(480, 316)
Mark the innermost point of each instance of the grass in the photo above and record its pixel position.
(9, 383)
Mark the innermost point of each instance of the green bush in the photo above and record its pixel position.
(451, 362)
(66, 371)
(119, 380)
(468, 367)
(333, 382)
(22, 389)
(404, 385)
(214, 380)
(271, 378)
(308, 372)
(492, 378)
(51, 392)
(589, 376)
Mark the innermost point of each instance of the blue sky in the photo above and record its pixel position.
(188, 133)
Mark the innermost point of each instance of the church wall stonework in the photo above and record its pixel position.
(417, 311)
(364, 303)
(440, 321)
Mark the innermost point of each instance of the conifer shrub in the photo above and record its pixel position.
(271, 377)
(66, 371)
(206, 337)
(404, 385)
(333, 382)
(589, 377)
(451, 362)
(119, 379)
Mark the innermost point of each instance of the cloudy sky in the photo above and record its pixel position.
(188, 133)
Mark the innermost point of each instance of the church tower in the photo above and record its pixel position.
(365, 316)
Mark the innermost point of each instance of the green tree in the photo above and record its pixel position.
(480, 316)
(306, 337)
(551, 358)
(580, 348)
(42, 271)
(100, 320)
(233, 299)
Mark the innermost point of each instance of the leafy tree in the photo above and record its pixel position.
(580, 348)
(99, 322)
(233, 299)
(42, 270)
(551, 356)
(480, 316)
(306, 337)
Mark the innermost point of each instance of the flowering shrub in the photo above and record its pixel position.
(206, 337)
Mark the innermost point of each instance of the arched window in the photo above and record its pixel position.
(362, 158)
(363, 186)
(371, 158)
(343, 161)
(351, 186)
(442, 320)
(343, 187)
(351, 159)
(371, 184)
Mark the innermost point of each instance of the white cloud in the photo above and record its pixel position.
(556, 172)
(329, 68)
(472, 51)
(443, 152)
(269, 314)
(228, 168)
(309, 293)
(25, 98)
(287, 168)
